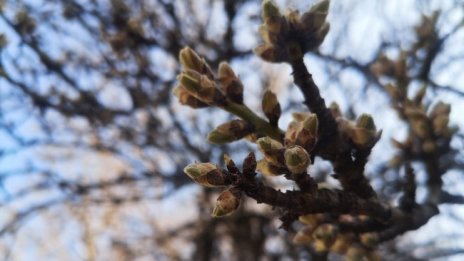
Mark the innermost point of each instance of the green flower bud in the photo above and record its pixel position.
(191, 81)
(364, 134)
(201, 87)
(311, 124)
(297, 159)
(227, 202)
(196, 170)
(302, 131)
(271, 107)
(230, 131)
(190, 59)
(272, 150)
(366, 121)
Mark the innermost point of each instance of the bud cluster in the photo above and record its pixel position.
(362, 133)
(288, 37)
(197, 86)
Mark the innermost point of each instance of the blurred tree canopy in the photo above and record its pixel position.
(93, 143)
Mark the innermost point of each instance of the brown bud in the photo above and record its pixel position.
(267, 52)
(186, 98)
(230, 131)
(230, 83)
(271, 107)
(227, 202)
(249, 165)
(230, 164)
(214, 178)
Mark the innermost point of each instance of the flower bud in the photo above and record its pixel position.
(227, 202)
(214, 178)
(191, 81)
(270, 9)
(267, 52)
(313, 19)
(230, 131)
(196, 170)
(311, 124)
(297, 159)
(321, 7)
(201, 87)
(190, 60)
(365, 121)
(365, 134)
(272, 150)
(230, 83)
(271, 107)
(186, 98)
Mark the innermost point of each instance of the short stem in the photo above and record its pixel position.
(261, 126)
